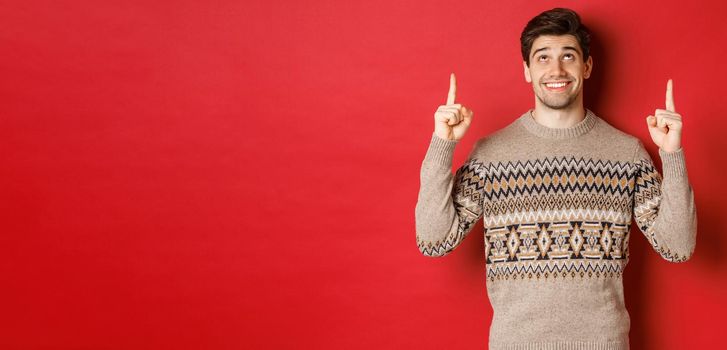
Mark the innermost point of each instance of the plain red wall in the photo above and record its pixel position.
(227, 175)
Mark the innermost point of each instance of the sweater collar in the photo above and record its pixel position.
(543, 131)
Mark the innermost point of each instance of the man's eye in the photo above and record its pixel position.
(541, 57)
(569, 55)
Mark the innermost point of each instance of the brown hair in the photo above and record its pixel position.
(557, 21)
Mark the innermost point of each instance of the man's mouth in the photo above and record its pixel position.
(557, 85)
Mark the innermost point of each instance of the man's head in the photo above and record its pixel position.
(555, 46)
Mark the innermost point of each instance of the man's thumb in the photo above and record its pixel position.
(651, 121)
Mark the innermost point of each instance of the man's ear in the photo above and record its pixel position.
(589, 67)
(526, 71)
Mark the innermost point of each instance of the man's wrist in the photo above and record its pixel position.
(673, 163)
(441, 151)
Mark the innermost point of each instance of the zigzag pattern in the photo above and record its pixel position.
(444, 246)
(554, 269)
(647, 199)
(647, 181)
(545, 215)
(556, 175)
(468, 203)
(557, 202)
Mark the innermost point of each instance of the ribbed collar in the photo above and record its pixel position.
(582, 127)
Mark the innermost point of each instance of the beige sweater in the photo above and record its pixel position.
(557, 205)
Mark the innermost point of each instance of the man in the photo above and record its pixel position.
(557, 190)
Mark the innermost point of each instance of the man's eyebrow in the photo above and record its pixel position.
(548, 48)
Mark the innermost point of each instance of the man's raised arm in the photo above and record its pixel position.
(664, 206)
(447, 206)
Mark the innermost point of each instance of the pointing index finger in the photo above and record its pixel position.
(452, 89)
(669, 96)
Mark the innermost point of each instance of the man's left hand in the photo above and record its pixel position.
(665, 126)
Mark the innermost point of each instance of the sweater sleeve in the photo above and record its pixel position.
(664, 207)
(448, 206)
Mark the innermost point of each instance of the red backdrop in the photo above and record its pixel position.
(226, 175)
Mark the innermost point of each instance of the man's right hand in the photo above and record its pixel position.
(452, 119)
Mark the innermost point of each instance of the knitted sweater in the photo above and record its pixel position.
(557, 205)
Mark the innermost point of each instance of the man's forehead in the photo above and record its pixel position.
(555, 42)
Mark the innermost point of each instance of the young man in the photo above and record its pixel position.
(557, 189)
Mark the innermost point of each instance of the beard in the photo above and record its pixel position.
(556, 100)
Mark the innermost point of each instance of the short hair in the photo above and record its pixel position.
(557, 21)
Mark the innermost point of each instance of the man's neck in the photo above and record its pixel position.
(558, 118)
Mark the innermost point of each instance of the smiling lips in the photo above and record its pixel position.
(557, 86)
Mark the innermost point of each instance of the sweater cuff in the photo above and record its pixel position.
(673, 163)
(440, 151)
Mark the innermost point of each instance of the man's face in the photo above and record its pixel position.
(557, 59)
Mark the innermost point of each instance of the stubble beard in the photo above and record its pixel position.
(555, 102)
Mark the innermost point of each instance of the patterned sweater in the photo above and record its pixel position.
(557, 205)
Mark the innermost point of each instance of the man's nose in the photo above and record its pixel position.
(559, 69)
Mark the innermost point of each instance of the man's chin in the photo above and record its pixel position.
(563, 103)
(557, 105)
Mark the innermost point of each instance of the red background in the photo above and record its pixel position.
(226, 175)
